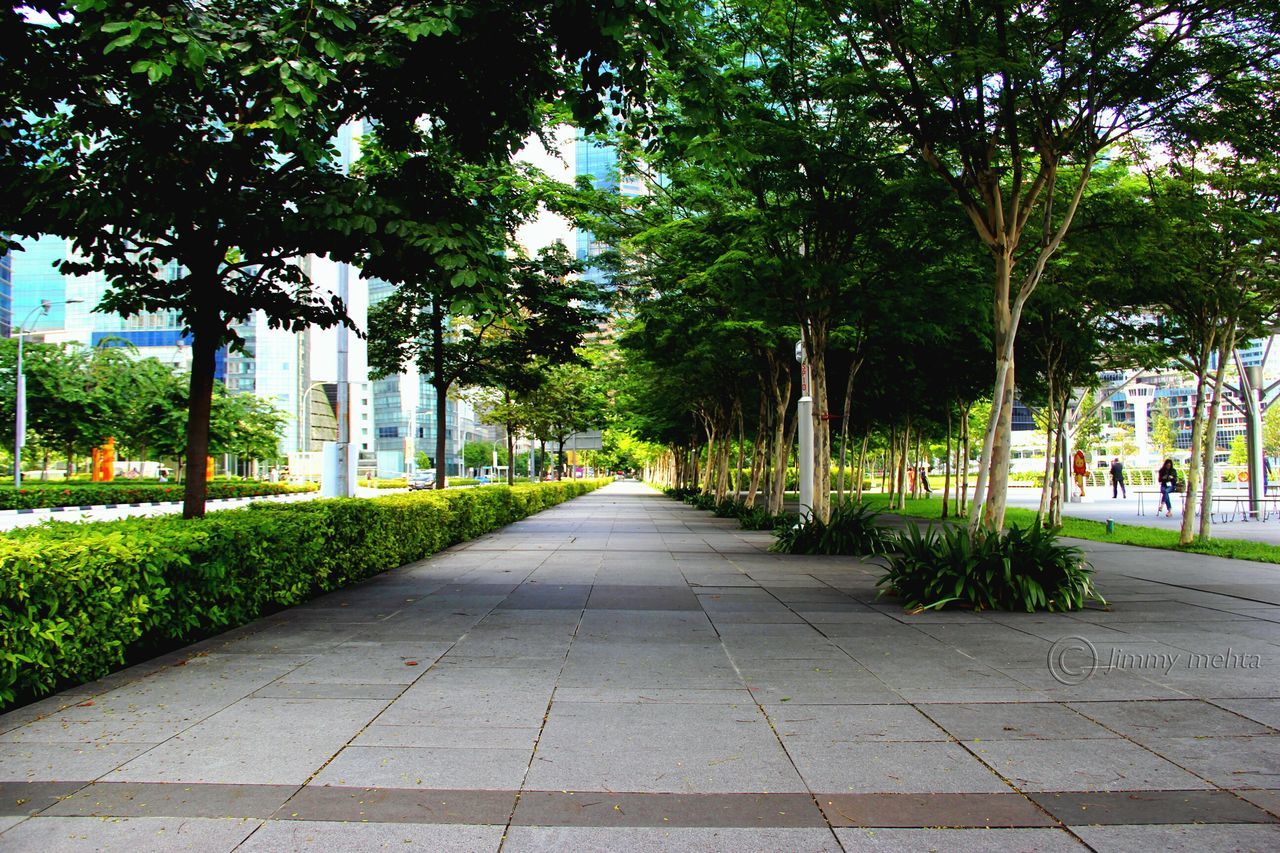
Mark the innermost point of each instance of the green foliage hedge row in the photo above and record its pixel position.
(92, 494)
(74, 598)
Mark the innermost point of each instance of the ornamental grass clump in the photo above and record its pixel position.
(852, 530)
(1021, 569)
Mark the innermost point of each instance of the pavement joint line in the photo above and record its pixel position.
(421, 675)
(546, 714)
(1209, 591)
(776, 735)
(1202, 777)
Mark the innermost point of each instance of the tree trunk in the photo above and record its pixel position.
(816, 346)
(963, 504)
(757, 452)
(1186, 534)
(889, 483)
(1050, 417)
(1211, 434)
(946, 475)
(846, 414)
(862, 462)
(742, 443)
(204, 347)
(902, 465)
(780, 388)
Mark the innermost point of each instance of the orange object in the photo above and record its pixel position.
(1078, 463)
(208, 469)
(1242, 477)
(103, 469)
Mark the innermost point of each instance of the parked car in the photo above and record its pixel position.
(422, 480)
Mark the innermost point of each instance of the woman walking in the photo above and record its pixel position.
(1168, 485)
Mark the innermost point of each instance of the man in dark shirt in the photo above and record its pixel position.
(1117, 478)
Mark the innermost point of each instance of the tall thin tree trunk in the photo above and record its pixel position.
(946, 475)
(1211, 433)
(862, 461)
(204, 348)
(963, 465)
(1187, 533)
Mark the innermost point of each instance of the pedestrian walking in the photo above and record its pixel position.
(1117, 478)
(924, 480)
(1168, 478)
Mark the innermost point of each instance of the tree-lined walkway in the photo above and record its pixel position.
(625, 672)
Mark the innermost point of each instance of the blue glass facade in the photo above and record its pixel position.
(6, 296)
(157, 338)
(34, 278)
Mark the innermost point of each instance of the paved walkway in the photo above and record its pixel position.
(623, 672)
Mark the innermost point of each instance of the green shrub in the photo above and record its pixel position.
(851, 529)
(759, 518)
(92, 494)
(74, 598)
(1022, 569)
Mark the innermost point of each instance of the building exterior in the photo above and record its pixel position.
(6, 295)
(404, 417)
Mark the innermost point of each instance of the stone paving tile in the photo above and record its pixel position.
(289, 836)
(652, 747)
(141, 834)
(426, 767)
(837, 724)
(894, 767)
(400, 805)
(1013, 721)
(530, 839)
(449, 736)
(1232, 762)
(1083, 765)
(1143, 721)
(1188, 837)
(229, 747)
(920, 810)
(960, 840)
(9, 821)
(657, 695)
(688, 623)
(167, 799)
(58, 729)
(1150, 807)
(366, 662)
(26, 798)
(1269, 800)
(607, 809)
(287, 690)
(30, 762)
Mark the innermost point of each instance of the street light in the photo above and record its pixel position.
(305, 417)
(20, 404)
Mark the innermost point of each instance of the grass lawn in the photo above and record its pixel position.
(1096, 531)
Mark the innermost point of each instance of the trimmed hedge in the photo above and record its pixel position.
(75, 598)
(94, 494)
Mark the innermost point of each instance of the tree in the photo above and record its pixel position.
(468, 309)
(1212, 225)
(248, 426)
(998, 97)
(1163, 435)
(479, 454)
(158, 121)
(781, 151)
